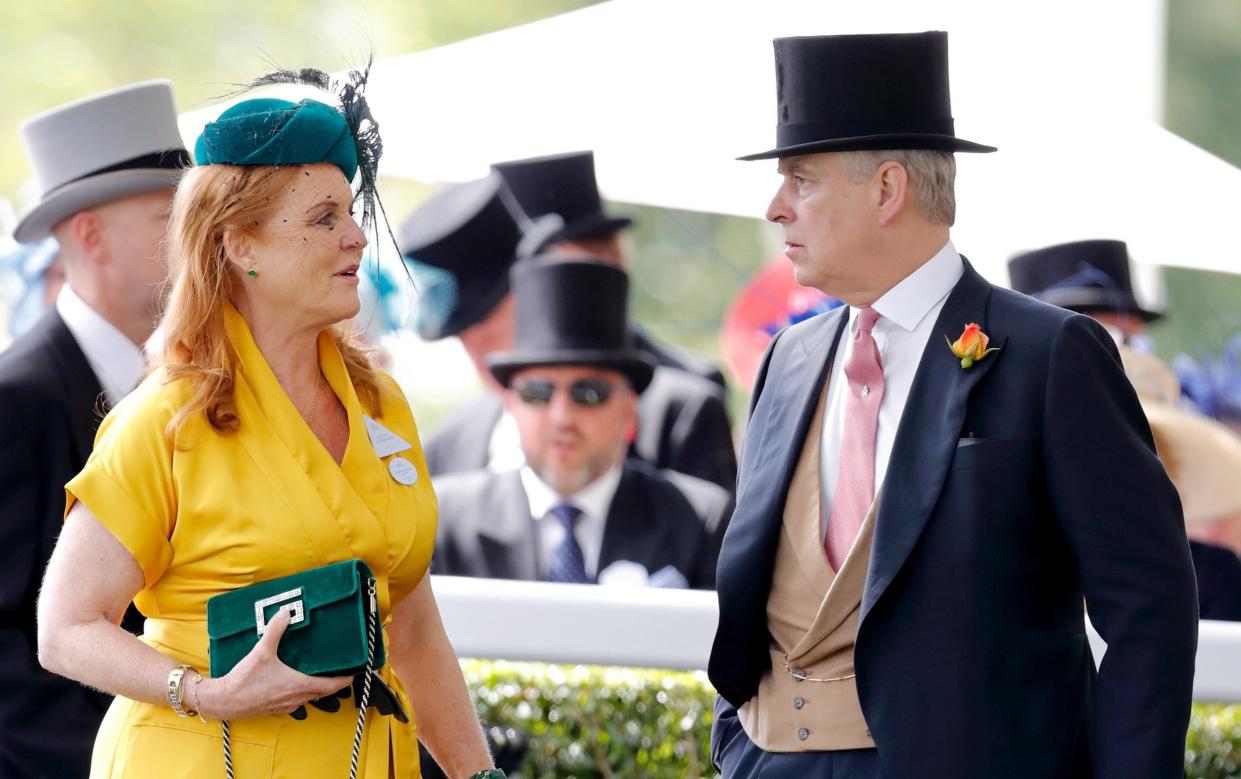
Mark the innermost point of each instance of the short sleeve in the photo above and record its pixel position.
(127, 482)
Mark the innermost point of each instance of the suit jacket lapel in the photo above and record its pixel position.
(927, 437)
(84, 400)
(628, 525)
(794, 397)
(507, 533)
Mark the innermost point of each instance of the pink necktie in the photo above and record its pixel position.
(855, 482)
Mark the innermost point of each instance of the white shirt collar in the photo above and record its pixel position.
(118, 362)
(593, 500)
(908, 303)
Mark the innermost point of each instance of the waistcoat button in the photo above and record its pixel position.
(799, 701)
(803, 734)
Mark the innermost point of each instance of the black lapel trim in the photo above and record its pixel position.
(928, 434)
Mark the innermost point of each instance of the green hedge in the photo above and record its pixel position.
(589, 722)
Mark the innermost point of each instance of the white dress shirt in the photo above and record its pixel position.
(504, 452)
(594, 500)
(118, 362)
(907, 317)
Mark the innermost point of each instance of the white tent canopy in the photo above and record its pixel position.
(668, 92)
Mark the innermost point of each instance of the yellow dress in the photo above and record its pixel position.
(210, 513)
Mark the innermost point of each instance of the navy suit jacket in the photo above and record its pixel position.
(1016, 489)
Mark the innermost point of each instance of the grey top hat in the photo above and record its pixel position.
(120, 143)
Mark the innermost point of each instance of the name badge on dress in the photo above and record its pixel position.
(384, 440)
(403, 470)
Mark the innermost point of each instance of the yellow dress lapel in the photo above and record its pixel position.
(339, 506)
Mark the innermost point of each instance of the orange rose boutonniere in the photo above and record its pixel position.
(971, 346)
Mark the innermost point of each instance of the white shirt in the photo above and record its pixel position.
(117, 361)
(907, 317)
(594, 500)
(504, 452)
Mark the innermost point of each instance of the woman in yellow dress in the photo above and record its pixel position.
(266, 445)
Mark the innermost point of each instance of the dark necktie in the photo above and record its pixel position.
(568, 564)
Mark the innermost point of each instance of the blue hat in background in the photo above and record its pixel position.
(1213, 385)
(270, 131)
(23, 270)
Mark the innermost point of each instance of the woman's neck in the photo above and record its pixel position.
(292, 351)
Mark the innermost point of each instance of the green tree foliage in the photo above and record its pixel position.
(1204, 74)
(51, 53)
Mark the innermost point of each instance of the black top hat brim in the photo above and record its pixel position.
(885, 142)
(466, 316)
(636, 366)
(1087, 299)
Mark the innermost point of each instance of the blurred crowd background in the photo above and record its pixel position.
(686, 267)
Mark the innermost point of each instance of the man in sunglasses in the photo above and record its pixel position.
(578, 510)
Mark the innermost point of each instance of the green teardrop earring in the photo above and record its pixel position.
(252, 272)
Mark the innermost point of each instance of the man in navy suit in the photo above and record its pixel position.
(933, 481)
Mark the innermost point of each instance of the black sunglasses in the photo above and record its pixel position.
(584, 392)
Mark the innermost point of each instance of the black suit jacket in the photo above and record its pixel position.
(655, 519)
(1219, 581)
(682, 426)
(50, 407)
(1015, 489)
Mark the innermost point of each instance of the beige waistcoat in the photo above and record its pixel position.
(812, 613)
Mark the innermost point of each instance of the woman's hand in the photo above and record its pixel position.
(262, 684)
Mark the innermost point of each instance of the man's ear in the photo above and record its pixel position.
(86, 230)
(239, 250)
(892, 182)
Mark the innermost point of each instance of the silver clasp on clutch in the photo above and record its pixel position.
(296, 608)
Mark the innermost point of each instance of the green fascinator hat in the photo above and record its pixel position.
(270, 131)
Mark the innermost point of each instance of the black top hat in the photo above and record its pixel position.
(1082, 276)
(564, 185)
(460, 245)
(572, 313)
(863, 92)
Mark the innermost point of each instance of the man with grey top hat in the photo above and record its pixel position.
(106, 167)
(564, 185)
(927, 482)
(460, 245)
(577, 510)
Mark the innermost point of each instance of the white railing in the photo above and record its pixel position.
(658, 628)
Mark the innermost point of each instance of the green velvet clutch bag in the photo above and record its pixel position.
(328, 632)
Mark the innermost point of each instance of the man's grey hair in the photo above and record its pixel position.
(932, 175)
